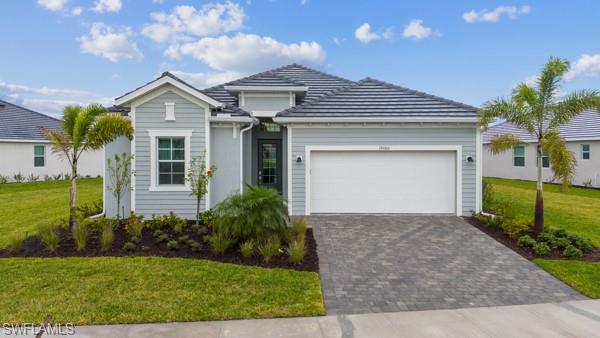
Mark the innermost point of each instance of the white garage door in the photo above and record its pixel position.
(383, 182)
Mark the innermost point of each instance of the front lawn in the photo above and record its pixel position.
(150, 289)
(577, 210)
(583, 276)
(25, 205)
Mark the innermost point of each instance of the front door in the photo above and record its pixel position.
(269, 164)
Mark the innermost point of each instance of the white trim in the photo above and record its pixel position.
(524, 158)
(34, 156)
(150, 96)
(289, 169)
(23, 141)
(574, 139)
(207, 155)
(478, 171)
(233, 119)
(372, 119)
(133, 160)
(162, 81)
(242, 131)
(155, 133)
(265, 113)
(267, 88)
(589, 151)
(169, 111)
(383, 125)
(276, 94)
(386, 148)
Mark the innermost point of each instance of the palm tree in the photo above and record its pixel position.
(84, 129)
(538, 110)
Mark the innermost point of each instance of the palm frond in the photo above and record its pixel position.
(550, 78)
(60, 143)
(70, 114)
(509, 110)
(526, 95)
(106, 129)
(573, 105)
(562, 160)
(502, 143)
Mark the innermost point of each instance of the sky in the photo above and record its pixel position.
(58, 52)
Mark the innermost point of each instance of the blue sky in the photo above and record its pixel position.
(57, 52)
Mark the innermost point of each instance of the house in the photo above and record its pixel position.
(25, 150)
(582, 134)
(328, 144)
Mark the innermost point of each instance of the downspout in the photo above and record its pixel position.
(242, 131)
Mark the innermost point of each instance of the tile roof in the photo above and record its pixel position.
(583, 126)
(19, 123)
(374, 98)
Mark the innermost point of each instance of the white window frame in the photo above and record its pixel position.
(589, 152)
(543, 167)
(43, 156)
(154, 135)
(524, 157)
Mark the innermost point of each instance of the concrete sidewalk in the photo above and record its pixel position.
(567, 319)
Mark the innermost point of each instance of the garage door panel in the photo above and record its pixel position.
(383, 182)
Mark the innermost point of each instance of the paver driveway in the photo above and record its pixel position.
(383, 263)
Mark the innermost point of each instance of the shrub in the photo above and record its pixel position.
(561, 243)
(482, 218)
(298, 229)
(572, 251)
(57, 177)
(173, 245)
(219, 242)
(247, 248)
(157, 233)
(526, 241)
(269, 248)
(259, 213)
(18, 177)
(135, 224)
(145, 248)
(162, 239)
(487, 195)
(560, 233)
(296, 250)
(506, 210)
(516, 227)
(3, 179)
(15, 242)
(49, 236)
(33, 178)
(170, 221)
(546, 237)
(581, 243)
(135, 239)
(207, 217)
(199, 229)
(587, 183)
(90, 209)
(80, 233)
(129, 246)
(541, 249)
(194, 246)
(107, 235)
(183, 239)
(47, 178)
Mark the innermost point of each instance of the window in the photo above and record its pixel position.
(545, 161)
(585, 151)
(171, 160)
(519, 156)
(39, 155)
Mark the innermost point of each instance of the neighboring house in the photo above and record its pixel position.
(582, 134)
(328, 144)
(24, 149)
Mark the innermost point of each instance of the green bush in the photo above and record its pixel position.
(173, 245)
(219, 242)
(259, 213)
(560, 233)
(135, 225)
(269, 248)
(247, 248)
(90, 209)
(561, 243)
(207, 217)
(107, 232)
(526, 241)
(541, 249)
(3, 179)
(298, 229)
(487, 196)
(194, 246)
(515, 227)
(15, 242)
(135, 239)
(157, 233)
(183, 239)
(296, 250)
(199, 229)
(581, 243)
(162, 239)
(49, 236)
(129, 246)
(80, 233)
(546, 237)
(482, 218)
(170, 221)
(572, 251)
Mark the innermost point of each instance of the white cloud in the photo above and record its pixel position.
(415, 30)
(587, 65)
(247, 53)
(364, 34)
(303, 2)
(53, 5)
(102, 6)
(22, 89)
(338, 41)
(76, 11)
(186, 22)
(485, 15)
(113, 45)
(205, 80)
(160, 2)
(115, 76)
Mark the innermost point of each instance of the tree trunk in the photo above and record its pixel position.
(538, 225)
(73, 196)
(197, 211)
(118, 205)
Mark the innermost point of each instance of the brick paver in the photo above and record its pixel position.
(388, 263)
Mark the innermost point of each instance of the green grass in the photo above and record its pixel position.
(25, 205)
(150, 289)
(583, 276)
(576, 210)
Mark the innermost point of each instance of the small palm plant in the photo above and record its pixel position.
(84, 129)
(538, 110)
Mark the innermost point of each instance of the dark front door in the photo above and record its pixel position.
(269, 164)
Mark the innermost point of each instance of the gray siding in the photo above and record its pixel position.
(266, 103)
(119, 146)
(301, 137)
(151, 115)
(225, 154)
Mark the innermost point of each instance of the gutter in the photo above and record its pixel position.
(242, 131)
(373, 120)
(239, 119)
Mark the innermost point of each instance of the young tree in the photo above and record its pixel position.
(198, 176)
(84, 129)
(539, 110)
(119, 173)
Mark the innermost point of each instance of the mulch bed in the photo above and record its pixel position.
(33, 247)
(511, 243)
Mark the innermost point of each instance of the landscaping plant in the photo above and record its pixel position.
(526, 241)
(538, 110)
(198, 176)
(296, 250)
(269, 248)
(119, 174)
(15, 242)
(18, 178)
(173, 245)
(541, 249)
(135, 224)
(107, 232)
(129, 246)
(84, 129)
(80, 233)
(572, 251)
(49, 236)
(219, 242)
(247, 248)
(3, 179)
(298, 229)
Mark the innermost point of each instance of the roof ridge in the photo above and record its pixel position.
(29, 110)
(318, 72)
(321, 98)
(395, 86)
(269, 72)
